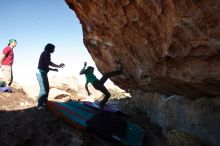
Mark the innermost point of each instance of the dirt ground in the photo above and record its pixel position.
(22, 124)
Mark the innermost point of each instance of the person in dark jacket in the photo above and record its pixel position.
(43, 69)
(98, 83)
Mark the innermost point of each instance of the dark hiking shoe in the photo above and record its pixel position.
(120, 67)
(41, 108)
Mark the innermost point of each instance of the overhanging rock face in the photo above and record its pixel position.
(168, 46)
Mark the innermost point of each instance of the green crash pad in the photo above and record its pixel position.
(78, 115)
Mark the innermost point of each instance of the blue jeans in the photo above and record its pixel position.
(44, 88)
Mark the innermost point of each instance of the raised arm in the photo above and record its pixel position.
(83, 69)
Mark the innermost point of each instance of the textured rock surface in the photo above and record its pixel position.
(169, 46)
(200, 117)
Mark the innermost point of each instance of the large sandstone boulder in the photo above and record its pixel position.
(167, 46)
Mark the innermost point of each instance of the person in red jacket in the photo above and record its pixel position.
(6, 61)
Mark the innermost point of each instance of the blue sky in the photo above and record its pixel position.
(34, 23)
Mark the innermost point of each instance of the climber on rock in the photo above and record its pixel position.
(99, 83)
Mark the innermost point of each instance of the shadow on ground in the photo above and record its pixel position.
(22, 124)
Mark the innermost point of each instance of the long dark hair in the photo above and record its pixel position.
(49, 48)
